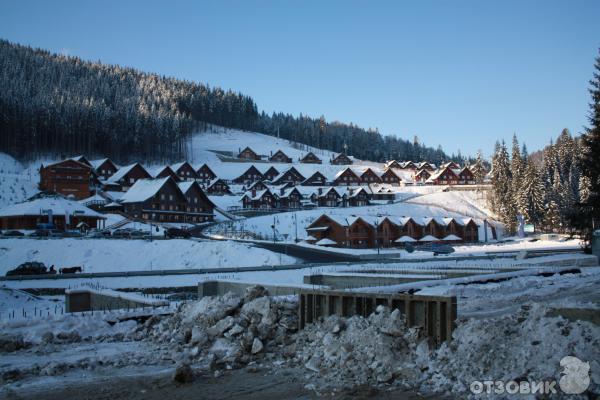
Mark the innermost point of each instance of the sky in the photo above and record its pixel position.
(460, 74)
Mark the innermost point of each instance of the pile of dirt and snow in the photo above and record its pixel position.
(258, 332)
(226, 332)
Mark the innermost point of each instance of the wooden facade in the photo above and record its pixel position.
(310, 158)
(167, 171)
(280, 157)
(289, 198)
(328, 198)
(248, 154)
(466, 177)
(127, 176)
(204, 174)
(252, 174)
(356, 198)
(369, 176)
(271, 173)
(290, 176)
(198, 208)
(445, 176)
(104, 168)
(316, 179)
(262, 199)
(68, 178)
(422, 175)
(347, 178)
(218, 187)
(185, 171)
(390, 177)
(368, 233)
(162, 200)
(341, 159)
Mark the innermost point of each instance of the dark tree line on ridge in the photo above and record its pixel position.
(55, 104)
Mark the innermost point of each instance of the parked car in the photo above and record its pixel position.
(177, 233)
(13, 233)
(29, 268)
(122, 233)
(137, 233)
(72, 233)
(97, 233)
(40, 233)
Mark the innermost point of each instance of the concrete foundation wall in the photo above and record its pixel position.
(219, 288)
(79, 301)
(435, 315)
(358, 280)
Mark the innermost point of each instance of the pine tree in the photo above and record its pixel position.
(479, 169)
(531, 195)
(502, 202)
(590, 163)
(552, 220)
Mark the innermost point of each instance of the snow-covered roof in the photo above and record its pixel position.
(96, 198)
(121, 172)
(451, 238)
(143, 189)
(405, 239)
(325, 242)
(428, 238)
(185, 186)
(97, 163)
(58, 204)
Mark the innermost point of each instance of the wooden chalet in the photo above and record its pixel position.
(82, 159)
(49, 208)
(356, 197)
(68, 178)
(444, 176)
(409, 165)
(386, 233)
(290, 176)
(218, 187)
(316, 179)
(369, 176)
(466, 177)
(390, 177)
(259, 199)
(185, 171)
(258, 185)
(329, 197)
(104, 168)
(156, 200)
(204, 174)
(408, 226)
(361, 234)
(199, 208)
(341, 159)
(310, 158)
(326, 227)
(280, 157)
(450, 164)
(435, 227)
(252, 174)
(346, 177)
(422, 175)
(163, 172)
(126, 177)
(248, 154)
(393, 164)
(426, 166)
(271, 173)
(289, 198)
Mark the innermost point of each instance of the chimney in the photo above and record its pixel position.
(320, 191)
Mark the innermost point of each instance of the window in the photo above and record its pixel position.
(195, 200)
(131, 180)
(171, 197)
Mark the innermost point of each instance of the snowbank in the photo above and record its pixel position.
(102, 255)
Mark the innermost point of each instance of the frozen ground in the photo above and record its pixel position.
(514, 329)
(101, 255)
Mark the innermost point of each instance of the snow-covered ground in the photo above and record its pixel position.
(17, 182)
(294, 223)
(470, 203)
(102, 255)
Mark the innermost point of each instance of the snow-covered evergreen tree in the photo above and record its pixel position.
(531, 195)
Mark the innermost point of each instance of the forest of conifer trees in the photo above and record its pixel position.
(55, 104)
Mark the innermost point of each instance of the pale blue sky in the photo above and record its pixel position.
(457, 73)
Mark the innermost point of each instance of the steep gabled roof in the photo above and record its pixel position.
(143, 189)
(121, 172)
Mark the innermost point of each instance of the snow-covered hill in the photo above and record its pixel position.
(232, 140)
(17, 182)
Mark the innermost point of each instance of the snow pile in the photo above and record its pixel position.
(17, 183)
(225, 332)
